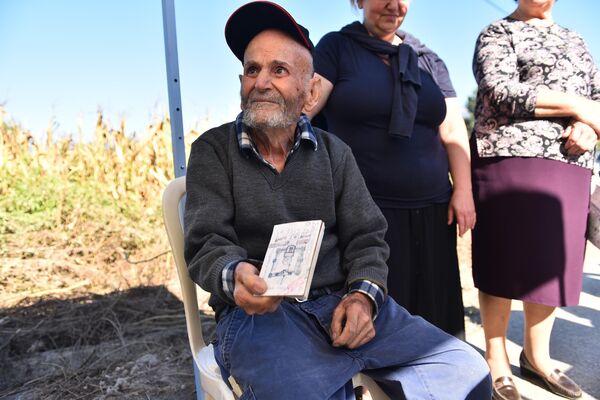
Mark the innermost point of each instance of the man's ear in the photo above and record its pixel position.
(313, 94)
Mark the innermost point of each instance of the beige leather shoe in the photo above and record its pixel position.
(558, 382)
(504, 388)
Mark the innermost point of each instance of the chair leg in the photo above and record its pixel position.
(199, 392)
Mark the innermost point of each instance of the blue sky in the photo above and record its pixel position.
(63, 60)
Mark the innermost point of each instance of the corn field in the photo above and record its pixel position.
(81, 215)
(125, 168)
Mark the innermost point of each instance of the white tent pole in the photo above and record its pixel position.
(173, 84)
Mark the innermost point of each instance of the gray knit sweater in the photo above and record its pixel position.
(234, 200)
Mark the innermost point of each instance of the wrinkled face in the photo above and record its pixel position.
(383, 17)
(277, 70)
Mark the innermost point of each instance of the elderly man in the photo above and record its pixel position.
(269, 167)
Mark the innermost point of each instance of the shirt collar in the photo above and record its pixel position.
(304, 131)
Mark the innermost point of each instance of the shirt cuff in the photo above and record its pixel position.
(227, 276)
(372, 291)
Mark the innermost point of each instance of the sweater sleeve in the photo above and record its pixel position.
(361, 226)
(211, 242)
(497, 76)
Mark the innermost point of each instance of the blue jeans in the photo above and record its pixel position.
(288, 355)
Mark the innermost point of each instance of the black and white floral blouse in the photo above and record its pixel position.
(512, 61)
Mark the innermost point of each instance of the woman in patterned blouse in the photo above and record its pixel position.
(537, 124)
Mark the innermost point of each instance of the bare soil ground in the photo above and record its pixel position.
(127, 344)
(81, 322)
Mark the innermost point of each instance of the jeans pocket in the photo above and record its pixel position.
(321, 309)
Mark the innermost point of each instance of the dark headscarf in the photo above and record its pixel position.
(405, 72)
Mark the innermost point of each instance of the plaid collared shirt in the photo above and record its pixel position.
(304, 131)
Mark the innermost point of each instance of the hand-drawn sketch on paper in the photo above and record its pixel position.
(290, 259)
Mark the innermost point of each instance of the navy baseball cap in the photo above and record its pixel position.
(251, 19)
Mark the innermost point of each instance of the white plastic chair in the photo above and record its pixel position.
(211, 385)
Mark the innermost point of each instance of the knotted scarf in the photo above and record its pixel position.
(405, 73)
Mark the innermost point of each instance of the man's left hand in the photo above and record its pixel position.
(352, 323)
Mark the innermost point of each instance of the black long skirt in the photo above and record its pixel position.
(423, 265)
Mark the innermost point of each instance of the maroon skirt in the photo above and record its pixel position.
(529, 241)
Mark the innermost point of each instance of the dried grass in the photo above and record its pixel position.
(77, 217)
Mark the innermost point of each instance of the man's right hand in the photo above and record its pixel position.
(247, 285)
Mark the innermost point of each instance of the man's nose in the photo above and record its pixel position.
(263, 80)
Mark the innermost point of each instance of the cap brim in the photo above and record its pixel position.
(251, 19)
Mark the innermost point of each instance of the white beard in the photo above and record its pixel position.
(286, 115)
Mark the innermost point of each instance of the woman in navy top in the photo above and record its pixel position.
(390, 98)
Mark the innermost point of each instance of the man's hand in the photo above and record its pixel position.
(352, 322)
(462, 208)
(247, 285)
